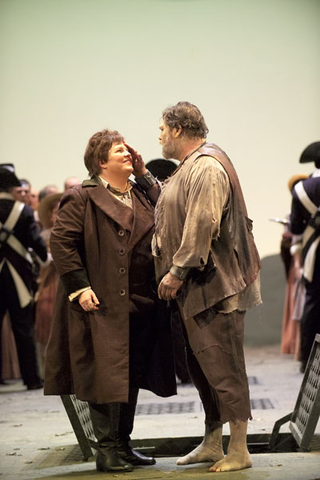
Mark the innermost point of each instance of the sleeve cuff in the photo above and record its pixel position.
(75, 280)
(179, 272)
(146, 181)
(76, 294)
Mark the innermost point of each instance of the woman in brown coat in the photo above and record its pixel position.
(110, 335)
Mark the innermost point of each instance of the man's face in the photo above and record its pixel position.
(167, 140)
(22, 193)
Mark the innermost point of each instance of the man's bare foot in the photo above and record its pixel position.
(209, 450)
(232, 461)
(237, 457)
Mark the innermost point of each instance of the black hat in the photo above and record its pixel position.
(311, 153)
(7, 176)
(161, 168)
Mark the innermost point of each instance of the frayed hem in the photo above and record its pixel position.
(236, 420)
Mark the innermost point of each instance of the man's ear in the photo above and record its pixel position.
(178, 131)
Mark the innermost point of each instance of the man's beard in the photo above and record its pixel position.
(168, 150)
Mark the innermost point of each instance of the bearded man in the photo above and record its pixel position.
(206, 261)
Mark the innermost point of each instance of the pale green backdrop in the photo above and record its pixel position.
(72, 67)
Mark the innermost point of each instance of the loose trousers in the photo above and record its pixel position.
(217, 366)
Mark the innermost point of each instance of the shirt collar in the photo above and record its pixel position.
(115, 190)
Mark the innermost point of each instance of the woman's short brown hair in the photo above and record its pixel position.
(98, 148)
(188, 117)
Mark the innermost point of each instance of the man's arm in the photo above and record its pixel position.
(207, 193)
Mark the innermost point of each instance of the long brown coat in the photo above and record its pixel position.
(101, 242)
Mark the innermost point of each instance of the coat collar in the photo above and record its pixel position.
(92, 182)
(120, 213)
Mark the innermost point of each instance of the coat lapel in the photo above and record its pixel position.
(114, 209)
(142, 211)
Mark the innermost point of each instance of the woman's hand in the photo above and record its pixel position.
(139, 168)
(88, 301)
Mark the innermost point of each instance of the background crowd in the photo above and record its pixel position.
(42, 277)
(301, 256)
(45, 203)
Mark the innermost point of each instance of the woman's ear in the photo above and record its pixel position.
(103, 164)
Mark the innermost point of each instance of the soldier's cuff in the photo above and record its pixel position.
(179, 272)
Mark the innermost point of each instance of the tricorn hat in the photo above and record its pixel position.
(311, 153)
(7, 176)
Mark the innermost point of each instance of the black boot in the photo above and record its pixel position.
(105, 420)
(126, 419)
(130, 455)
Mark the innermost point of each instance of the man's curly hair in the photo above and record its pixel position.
(189, 117)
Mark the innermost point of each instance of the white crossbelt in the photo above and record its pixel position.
(310, 256)
(24, 295)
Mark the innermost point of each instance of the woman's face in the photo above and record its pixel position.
(119, 160)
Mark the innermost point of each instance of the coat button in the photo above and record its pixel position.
(122, 251)
(121, 233)
(122, 270)
(122, 293)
